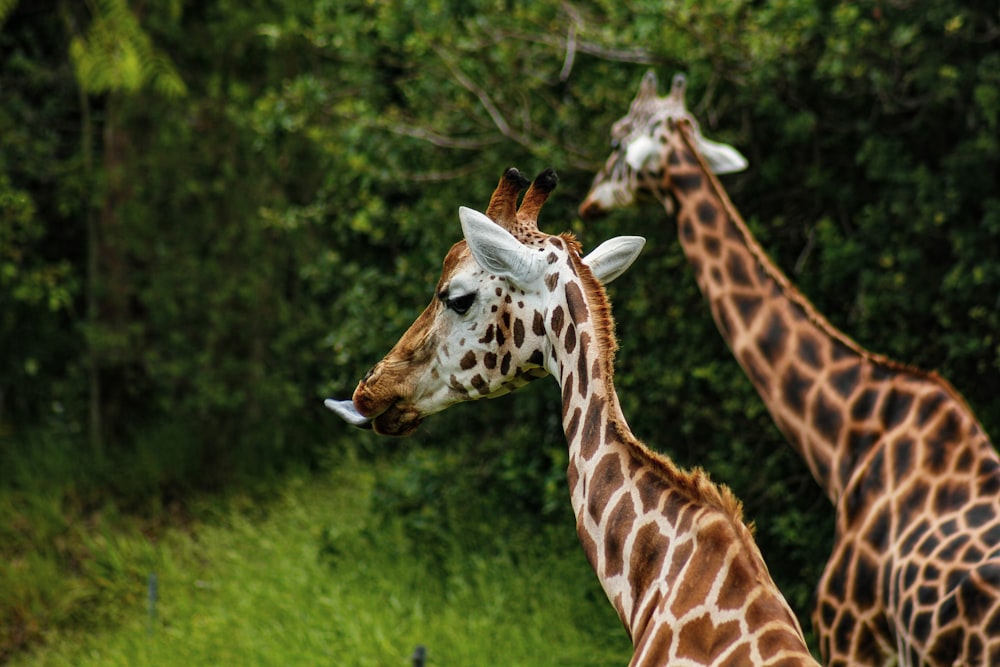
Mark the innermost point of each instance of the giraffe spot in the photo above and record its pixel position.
(551, 280)
(929, 406)
(686, 183)
(468, 360)
(551, 259)
(689, 157)
(457, 386)
(480, 384)
(505, 364)
(673, 159)
(679, 561)
(759, 378)
(706, 212)
(877, 532)
(747, 307)
(859, 441)
(572, 475)
(570, 341)
(592, 427)
(557, 320)
(895, 407)
(716, 275)
(809, 351)
(699, 640)
(589, 547)
(573, 424)
(794, 387)
(538, 324)
(646, 557)
(864, 405)
(489, 360)
(839, 351)
(737, 270)
(576, 304)
(978, 592)
(487, 335)
(843, 633)
(902, 459)
(733, 232)
(948, 430)
(567, 393)
(501, 337)
(827, 419)
(595, 370)
(771, 342)
(865, 583)
(922, 625)
(979, 515)
(536, 358)
(687, 230)
(963, 463)
(910, 540)
(949, 496)
(619, 526)
(946, 647)
(845, 380)
(712, 246)
(607, 479)
(498, 291)
(581, 370)
(927, 595)
(518, 333)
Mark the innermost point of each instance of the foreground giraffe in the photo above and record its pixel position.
(670, 547)
(914, 576)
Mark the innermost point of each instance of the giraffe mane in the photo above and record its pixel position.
(694, 484)
(685, 128)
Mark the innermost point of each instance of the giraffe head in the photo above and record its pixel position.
(485, 332)
(644, 141)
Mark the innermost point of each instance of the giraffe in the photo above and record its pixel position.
(669, 547)
(914, 575)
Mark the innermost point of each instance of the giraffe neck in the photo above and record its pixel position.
(805, 369)
(832, 399)
(669, 547)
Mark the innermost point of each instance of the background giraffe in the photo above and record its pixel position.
(669, 547)
(915, 570)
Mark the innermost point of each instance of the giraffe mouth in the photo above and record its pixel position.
(396, 420)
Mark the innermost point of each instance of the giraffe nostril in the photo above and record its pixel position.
(369, 374)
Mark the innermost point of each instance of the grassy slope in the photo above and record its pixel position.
(311, 580)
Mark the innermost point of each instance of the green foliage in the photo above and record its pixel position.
(306, 578)
(116, 55)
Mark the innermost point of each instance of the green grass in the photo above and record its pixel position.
(314, 577)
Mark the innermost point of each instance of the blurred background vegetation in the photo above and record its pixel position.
(215, 213)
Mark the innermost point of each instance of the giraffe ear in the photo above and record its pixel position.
(613, 257)
(721, 158)
(497, 251)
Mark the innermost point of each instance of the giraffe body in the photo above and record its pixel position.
(914, 576)
(669, 547)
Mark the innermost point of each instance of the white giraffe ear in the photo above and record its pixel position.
(497, 251)
(613, 257)
(721, 158)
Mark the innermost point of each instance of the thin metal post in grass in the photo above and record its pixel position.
(153, 594)
(419, 656)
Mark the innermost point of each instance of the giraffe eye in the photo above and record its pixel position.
(461, 304)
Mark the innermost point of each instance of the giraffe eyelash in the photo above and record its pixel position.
(459, 304)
